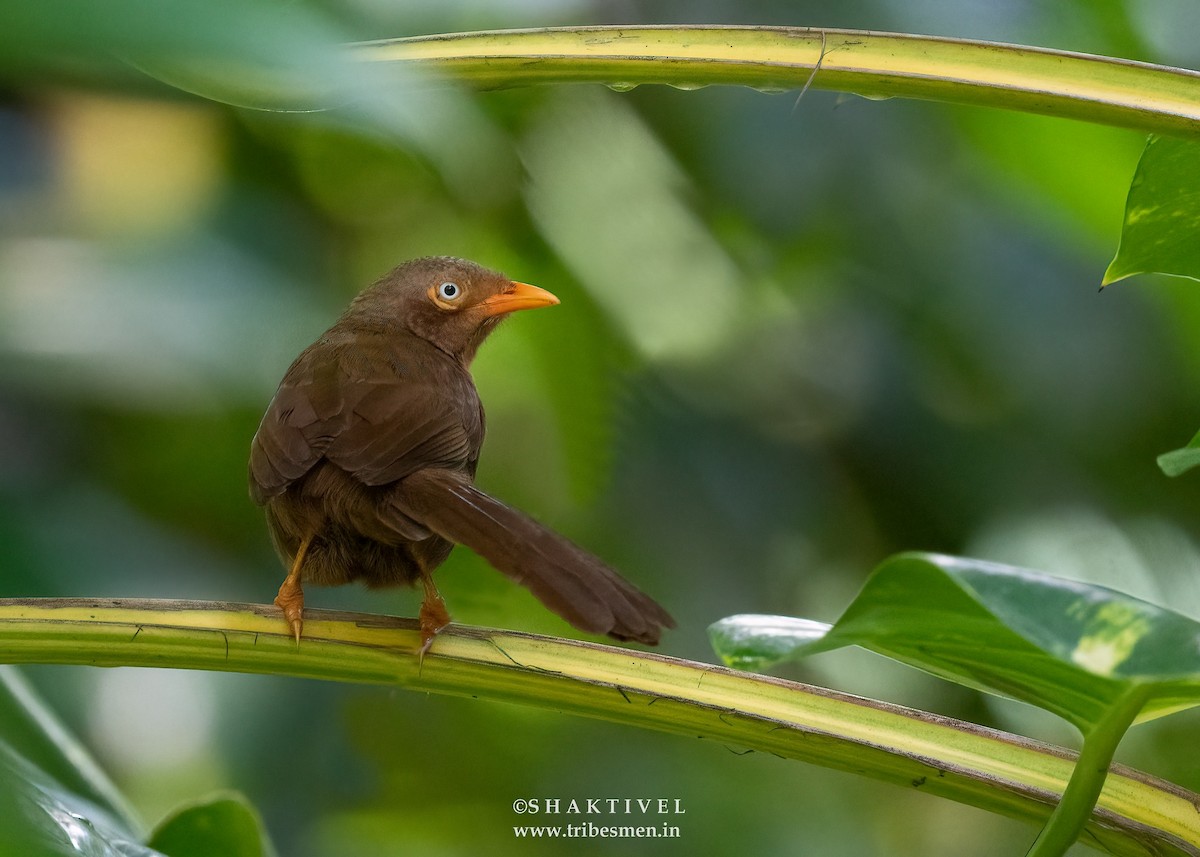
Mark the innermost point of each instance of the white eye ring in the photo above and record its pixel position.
(449, 291)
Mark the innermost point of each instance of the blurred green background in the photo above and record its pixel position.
(795, 337)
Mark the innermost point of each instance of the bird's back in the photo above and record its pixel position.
(358, 411)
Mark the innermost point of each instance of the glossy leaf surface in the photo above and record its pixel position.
(224, 824)
(1072, 648)
(1162, 213)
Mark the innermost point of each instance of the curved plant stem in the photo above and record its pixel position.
(1135, 814)
(877, 65)
(1072, 812)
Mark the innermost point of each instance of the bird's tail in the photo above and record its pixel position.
(571, 582)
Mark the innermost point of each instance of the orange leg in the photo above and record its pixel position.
(291, 597)
(434, 616)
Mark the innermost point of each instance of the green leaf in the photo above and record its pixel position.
(41, 818)
(1162, 213)
(1181, 460)
(1095, 656)
(54, 800)
(1072, 648)
(224, 824)
(252, 53)
(756, 643)
(26, 722)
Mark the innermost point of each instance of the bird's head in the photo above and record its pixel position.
(453, 303)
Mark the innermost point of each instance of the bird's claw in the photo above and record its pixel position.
(291, 602)
(433, 618)
(426, 644)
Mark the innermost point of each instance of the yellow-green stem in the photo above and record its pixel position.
(1135, 815)
(877, 65)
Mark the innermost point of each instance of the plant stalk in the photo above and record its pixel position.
(1136, 814)
(1099, 744)
(1137, 95)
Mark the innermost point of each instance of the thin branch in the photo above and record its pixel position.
(1120, 92)
(981, 767)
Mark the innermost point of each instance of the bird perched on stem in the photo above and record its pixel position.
(365, 459)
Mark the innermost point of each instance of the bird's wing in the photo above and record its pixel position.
(377, 416)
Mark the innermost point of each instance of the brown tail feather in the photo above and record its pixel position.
(571, 582)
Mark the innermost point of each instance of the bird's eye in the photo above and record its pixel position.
(449, 291)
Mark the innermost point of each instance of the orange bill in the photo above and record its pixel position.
(517, 296)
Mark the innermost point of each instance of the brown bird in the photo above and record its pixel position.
(365, 459)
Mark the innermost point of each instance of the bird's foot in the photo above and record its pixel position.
(291, 601)
(433, 617)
